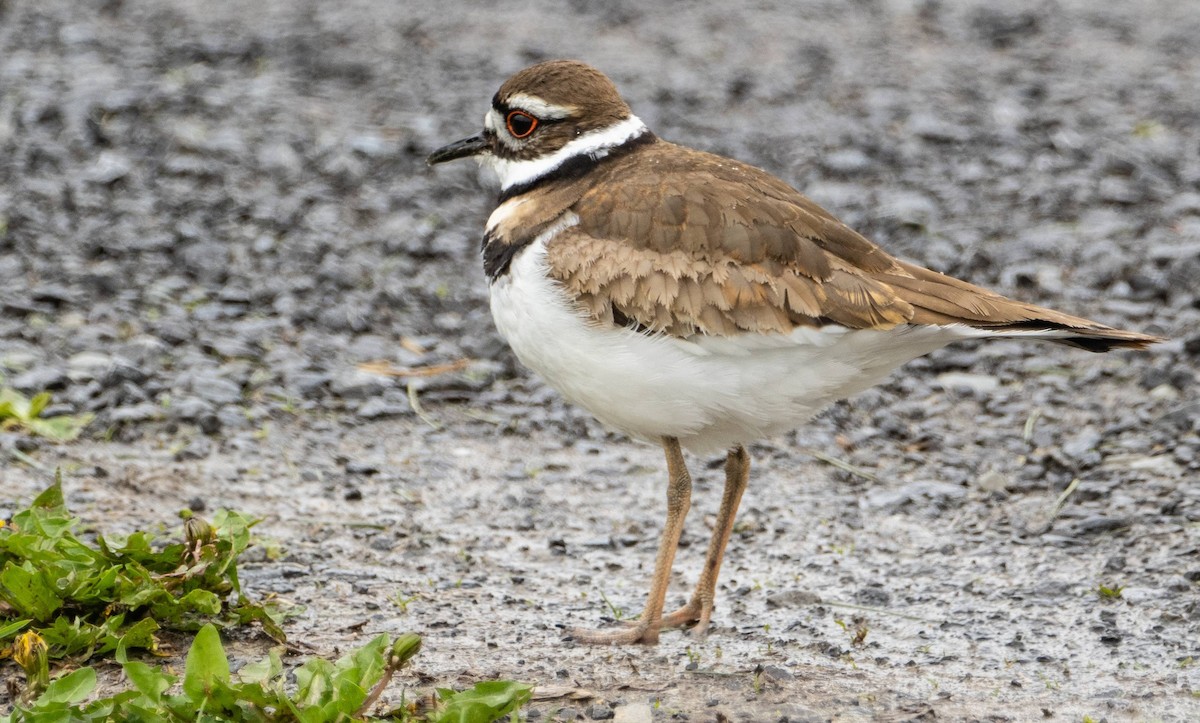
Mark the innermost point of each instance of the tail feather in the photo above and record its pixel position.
(940, 299)
(1090, 336)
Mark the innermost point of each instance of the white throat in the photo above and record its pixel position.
(596, 144)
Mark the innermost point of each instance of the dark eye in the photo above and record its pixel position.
(520, 124)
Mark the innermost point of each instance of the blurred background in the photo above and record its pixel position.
(225, 198)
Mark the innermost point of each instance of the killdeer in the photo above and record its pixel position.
(695, 301)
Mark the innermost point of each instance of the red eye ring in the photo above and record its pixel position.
(520, 124)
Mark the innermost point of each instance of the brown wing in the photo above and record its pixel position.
(684, 242)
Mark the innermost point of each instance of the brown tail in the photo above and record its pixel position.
(940, 299)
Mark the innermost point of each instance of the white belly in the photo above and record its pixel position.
(709, 392)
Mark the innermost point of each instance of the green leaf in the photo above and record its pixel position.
(66, 428)
(262, 671)
(13, 405)
(52, 497)
(206, 665)
(11, 629)
(140, 635)
(149, 681)
(28, 592)
(72, 687)
(37, 404)
(18, 410)
(365, 665)
(349, 697)
(313, 681)
(201, 601)
(484, 703)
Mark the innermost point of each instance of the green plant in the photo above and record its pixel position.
(84, 600)
(618, 612)
(21, 412)
(342, 690)
(1110, 593)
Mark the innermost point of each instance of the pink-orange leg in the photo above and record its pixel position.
(699, 608)
(679, 499)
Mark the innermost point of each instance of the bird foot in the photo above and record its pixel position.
(694, 612)
(641, 632)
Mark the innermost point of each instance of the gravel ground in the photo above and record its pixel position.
(211, 213)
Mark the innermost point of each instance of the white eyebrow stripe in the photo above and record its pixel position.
(539, 107)
(595, 144)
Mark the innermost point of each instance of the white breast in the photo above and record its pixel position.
(710, 392)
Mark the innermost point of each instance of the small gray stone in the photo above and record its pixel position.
(1083, 446)
(354, 383)
(992, 481)
(847, 161)
(108, 168)
(1116, 189)
(88, 365)
(1097, 524)
(940, 493)
(234, 347)
(143, 412)
(978, 383)
(190, 409)
(215, 388)
(230, 416)
(40, 379)
(357, 466)
(380, 407)
(873, 596)
(792, 599)
(120, 373)
(309, 384)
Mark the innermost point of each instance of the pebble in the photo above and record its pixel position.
(40, 379)
(362, 467)
(88, 365)
(190, 409)
(776, 673)
(893, 500)
(1083, 447)
(212, 387)
(977, 383)
(354, 383)
(992, 481)
(847, 161)
(792, 599)
(380, 407)
(108, 168)
(143, 412)
(1098, 524)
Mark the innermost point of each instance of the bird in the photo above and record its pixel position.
(693, 301)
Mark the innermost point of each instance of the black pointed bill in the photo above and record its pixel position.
(460, 149)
